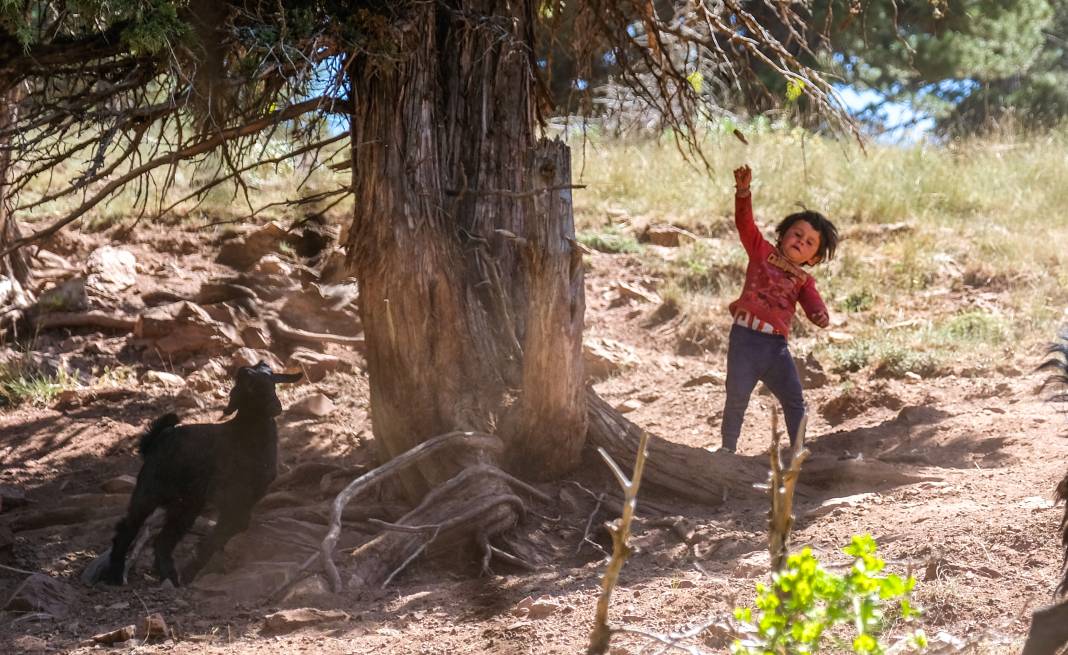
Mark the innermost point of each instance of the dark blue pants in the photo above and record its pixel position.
(757, 357)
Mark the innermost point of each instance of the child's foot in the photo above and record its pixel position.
(720, 449)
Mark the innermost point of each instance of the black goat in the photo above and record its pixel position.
(230, 464)
(1049, 625)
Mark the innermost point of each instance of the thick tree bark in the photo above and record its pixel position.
(471, 290)
(14, 267)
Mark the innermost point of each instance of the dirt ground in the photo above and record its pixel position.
(953, 475)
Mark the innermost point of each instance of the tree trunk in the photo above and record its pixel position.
(471, 290)
(14, 267)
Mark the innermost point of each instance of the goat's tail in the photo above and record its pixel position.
(159, 426)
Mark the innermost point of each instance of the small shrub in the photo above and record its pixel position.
(19, 385)
(858, 301)
(894, 361)
(852, 356)
(805, 602)
(975, 327)
(611, 240)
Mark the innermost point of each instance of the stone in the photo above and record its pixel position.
(250, 357)
(152, 627)
(753, 565)
(241, 253)
(294, 619)
(122, 484)
(256, 338)
(630, 291)
(314, 586)
(839, 337)
(629, 405)
(811, 372)
(667, 236)
(163, 378)
(273, 265)
(832, 504)
(315, 365)
(30, 644)
(115, 637)
(182, 329)
(41, 593)
(709, 377)
(536, 609)
(110, 270)
(606, 357)
(68, 296)
(315, 405)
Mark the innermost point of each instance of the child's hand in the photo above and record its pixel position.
(743, 175)
(821, 319)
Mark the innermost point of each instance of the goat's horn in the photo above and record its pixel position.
(286, 377)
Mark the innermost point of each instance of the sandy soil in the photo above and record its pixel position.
(965, 468)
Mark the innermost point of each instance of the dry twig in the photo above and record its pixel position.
(620, 529)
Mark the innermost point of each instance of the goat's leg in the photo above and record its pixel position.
(180, 518)
(141, 507)
(230, 522)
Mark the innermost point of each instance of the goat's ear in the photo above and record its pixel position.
(286, 377)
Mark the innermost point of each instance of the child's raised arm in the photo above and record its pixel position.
(743, 175)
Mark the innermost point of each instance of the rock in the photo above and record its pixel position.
(753, 565)
(710, 377)
(114, 637)
(152, 627)
(839, 337)
(252, 582)
(314, 405)
(685, 583)
(1036, 503)
(290, 620)
(811, 372)
(250, 357)
(326, 309)
(311, 587)
(315, 365)
(256, 338)
(41, 593)
(69, 296)
(182, 329)
(540, 608)
(243, 252)
(273, 265)
(606, 357)
(110, 270)
(631, 291)
(665, 235)
(163, 378)
(30, 644)
(628, 406)
(122, 484)
(831, 504)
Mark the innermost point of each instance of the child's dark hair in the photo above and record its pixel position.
(820, 223)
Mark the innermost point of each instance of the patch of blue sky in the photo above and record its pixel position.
(899, 122)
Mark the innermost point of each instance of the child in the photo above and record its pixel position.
(774, 283)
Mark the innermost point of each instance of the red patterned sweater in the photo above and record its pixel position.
(773, 284)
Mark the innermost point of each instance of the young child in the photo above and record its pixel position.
(774, 284)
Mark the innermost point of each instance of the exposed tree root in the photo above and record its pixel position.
(289, 333)
(85, 319)
(692, 473)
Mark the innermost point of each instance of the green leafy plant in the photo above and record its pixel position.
(807, 605)
(610, 240)
(19, 385)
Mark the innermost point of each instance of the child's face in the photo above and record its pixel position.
(800, 243)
